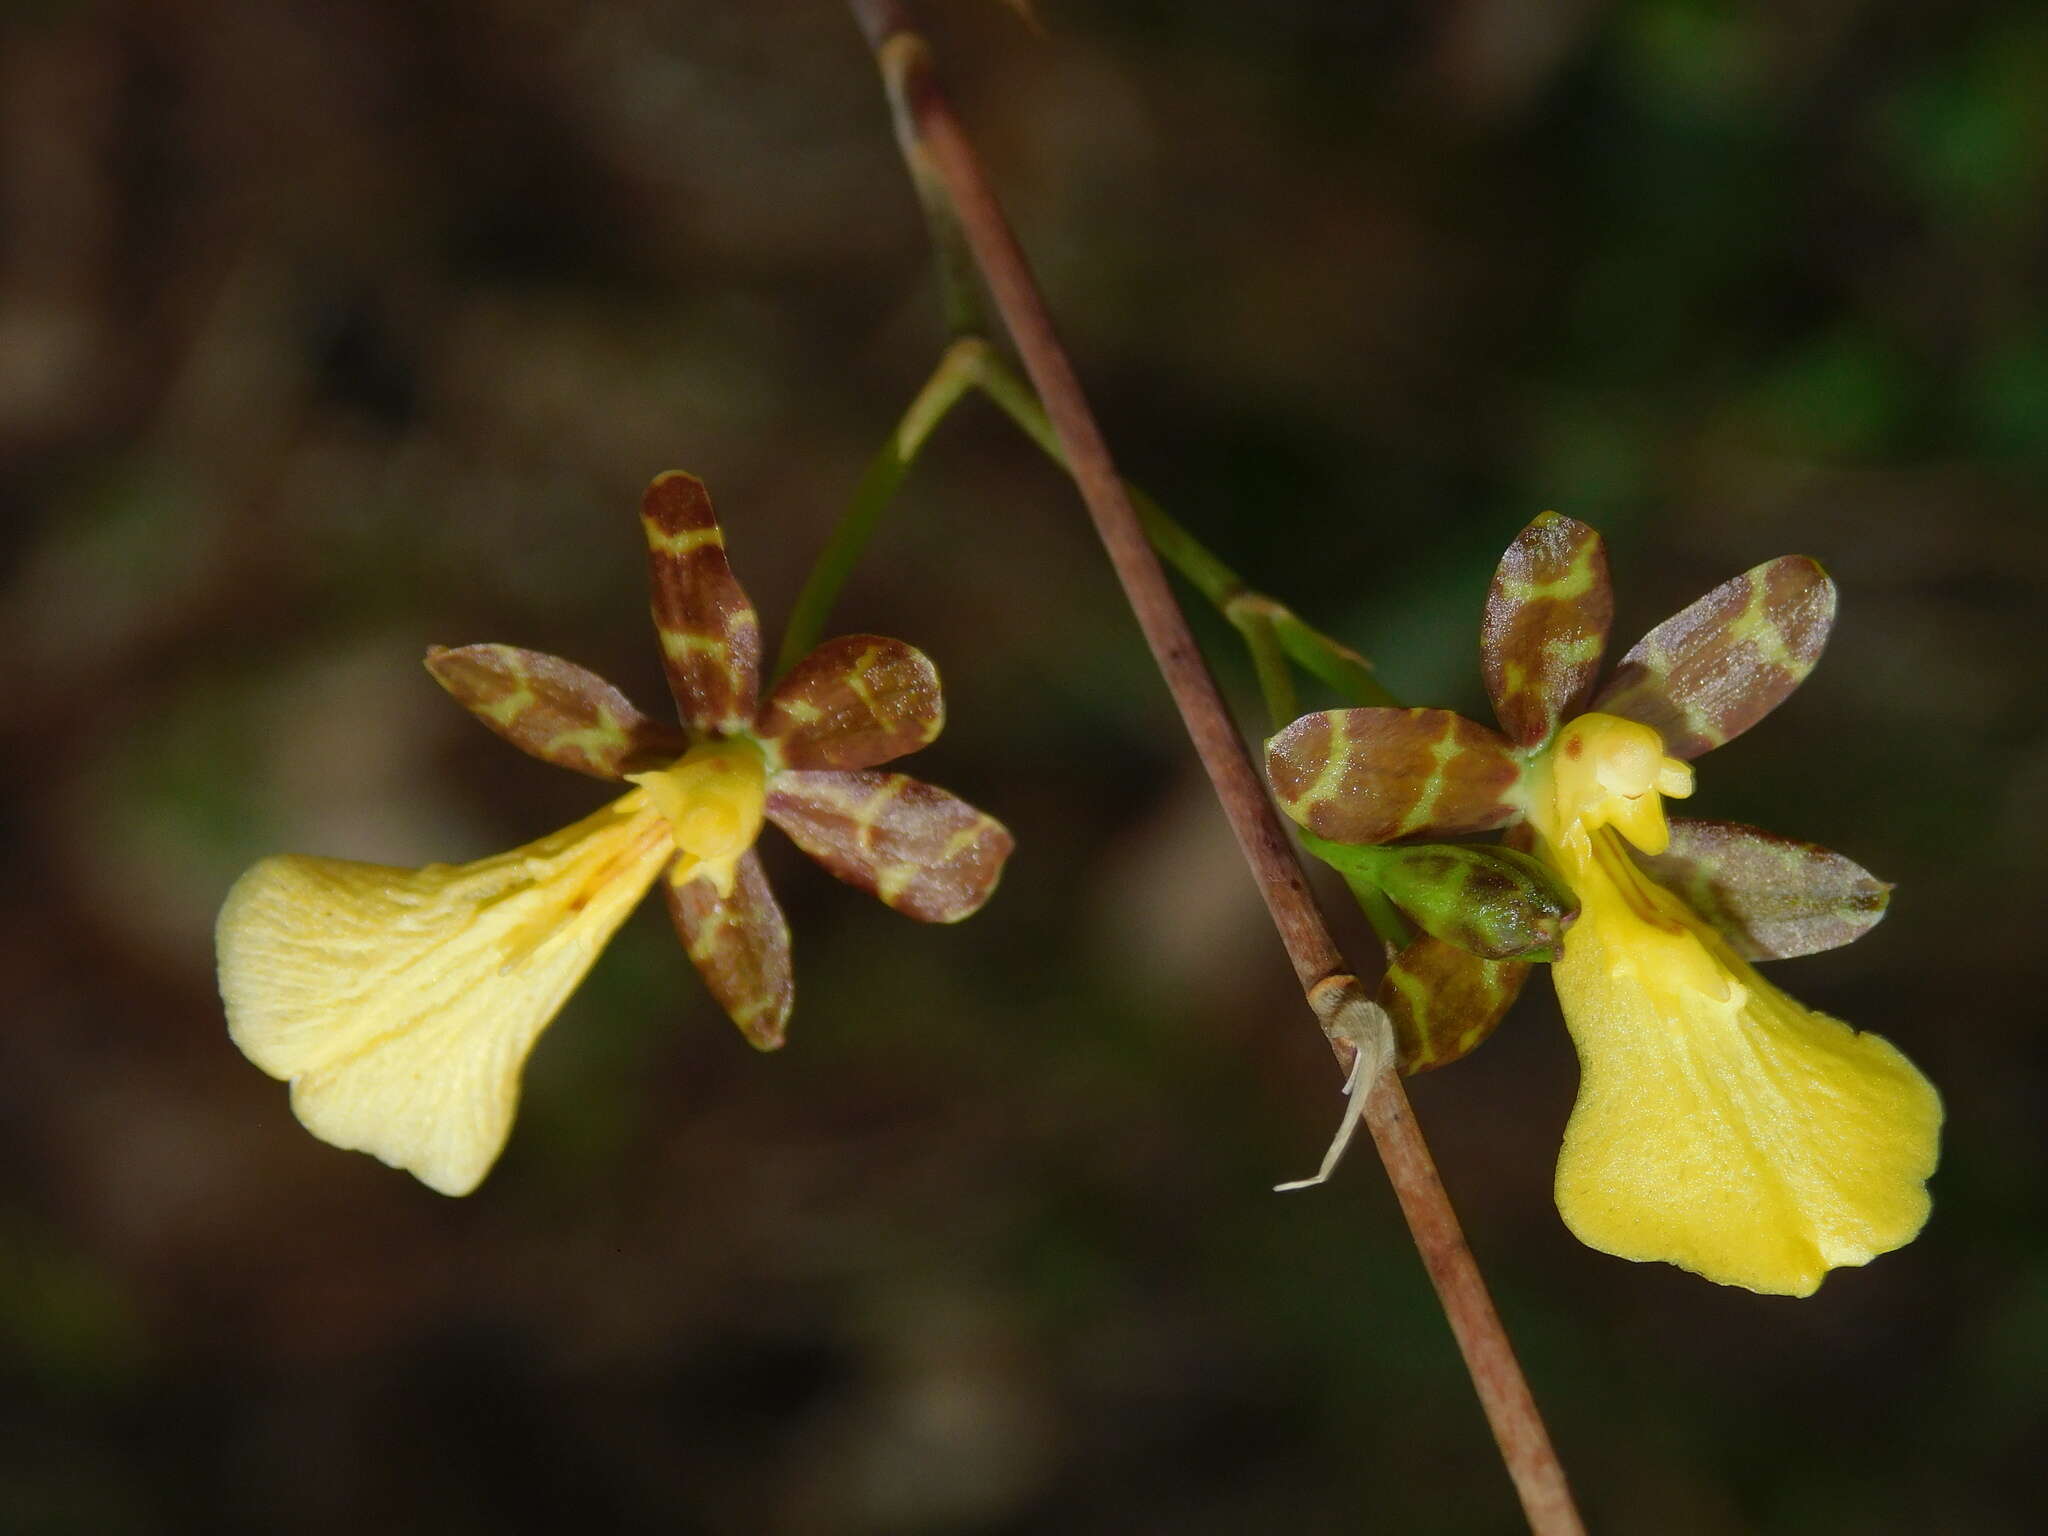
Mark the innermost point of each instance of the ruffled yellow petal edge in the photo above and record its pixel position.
(1720, 1125)
(401, 1004)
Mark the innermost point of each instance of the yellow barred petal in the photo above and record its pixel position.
(401, 1004)
(1720, 1125)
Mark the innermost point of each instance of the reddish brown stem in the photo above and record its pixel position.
(940, 155)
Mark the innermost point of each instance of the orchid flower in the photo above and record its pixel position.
(401, 1004)
(1720, 1125)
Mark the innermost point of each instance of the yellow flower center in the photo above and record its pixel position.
(713, 798)
(1603, 779)
(1604, 771)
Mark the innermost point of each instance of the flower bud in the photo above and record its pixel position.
(1492, 901)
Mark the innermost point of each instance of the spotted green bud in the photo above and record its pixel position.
(1493, 902)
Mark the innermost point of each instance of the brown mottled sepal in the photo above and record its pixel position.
(1494, 902)
(554, 709)
(1771, 897)
(710, 635)
(1545, 627)
(1445, 1001)
(924, 852)
(1706, 675)
(1373, 775)
(740, 946)
(855, 702)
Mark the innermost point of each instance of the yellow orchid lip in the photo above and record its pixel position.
(1720, 1125)
(401, 1004)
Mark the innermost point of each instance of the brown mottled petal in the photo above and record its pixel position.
(740, 946)
(1771, 897)
(554, 709)
(924, 852)
(1708, 674)
(1445, 1001)
(710, 636)
(1373, 775)
(855, 702)
(1545, 627)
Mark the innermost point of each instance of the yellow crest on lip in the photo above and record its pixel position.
(714, 799)
(1606, 771)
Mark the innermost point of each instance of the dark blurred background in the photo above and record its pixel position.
(330, 329)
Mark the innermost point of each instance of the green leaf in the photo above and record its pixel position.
(1545, 627)
(1373, 775)
(710, 635)
(1707, 674)
(1771, 897)
(1494, 902)
(554, 710)
(855, 702)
